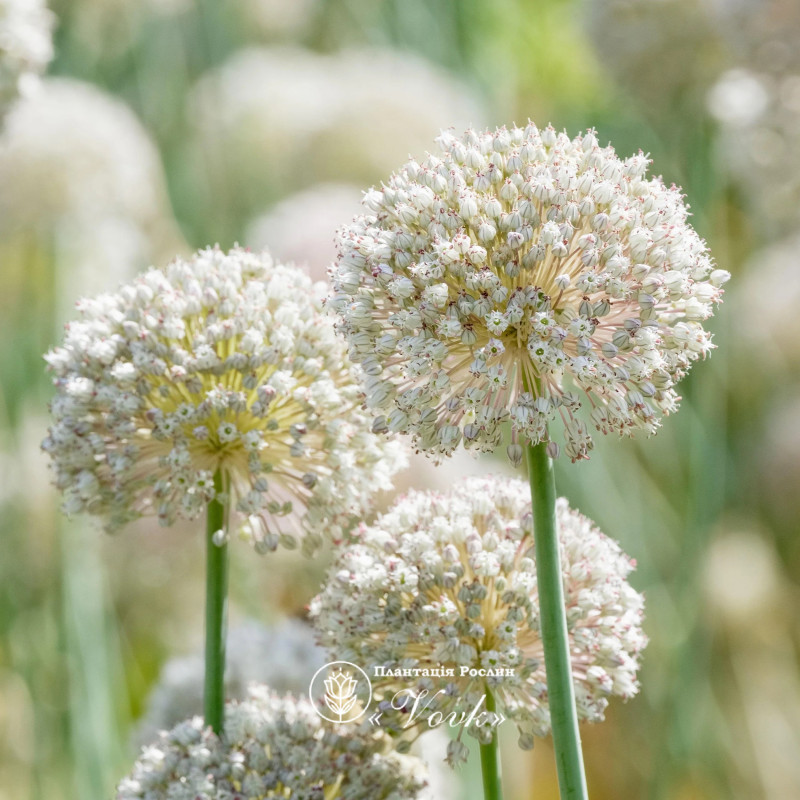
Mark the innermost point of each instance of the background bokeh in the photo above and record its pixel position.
(165, 125)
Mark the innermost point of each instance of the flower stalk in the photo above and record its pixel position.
(553, 622)
(490, 760)
(216, 609)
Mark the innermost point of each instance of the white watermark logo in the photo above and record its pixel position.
(342, 692)
(341, 681)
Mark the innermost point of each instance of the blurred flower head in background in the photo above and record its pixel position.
(82, 181)
(221, 364)
(488, 282)
(448, 580)
(768, 327)
(284, 118)
(26, 47)
(273, 747)
(301, 227)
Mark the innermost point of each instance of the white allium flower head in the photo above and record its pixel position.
(273, 747)
(519, 275)
(225, 362)
(26, 46)
(283, 656)
(449, 581)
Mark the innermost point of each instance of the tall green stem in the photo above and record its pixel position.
(553, 622)
(216, 613)
(490, 760)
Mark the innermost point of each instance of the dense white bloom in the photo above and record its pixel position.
(448, 581)
(80, 176)
(273, 120)
(26, 46)
(226, 363)
(283, 656)
(273, 747)
(510, 275)
(300, 227)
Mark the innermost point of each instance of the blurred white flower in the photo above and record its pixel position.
(282, 656)
(742, 577)
(225, 364)
(738, 98)
(448, 581)
(514, 274)
(760, 146)
(271, 121)
(764, 304)
(80, 175)
(26, 47)
(273, 747)
(301, 228)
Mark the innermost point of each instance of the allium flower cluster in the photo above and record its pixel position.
(273, 747)
(448, 581)
(224, 362)
(514, 274)
(283, 656)
(26, 46)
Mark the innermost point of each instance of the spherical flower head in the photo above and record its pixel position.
(273, 747)
(447, 582)
(26, 46)
(221, 364)
(514, 274)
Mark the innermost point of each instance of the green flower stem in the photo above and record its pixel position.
(490, 760)
(216, 613)
(553, 622)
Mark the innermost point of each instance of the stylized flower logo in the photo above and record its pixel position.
(344, 699)
(340, 693)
